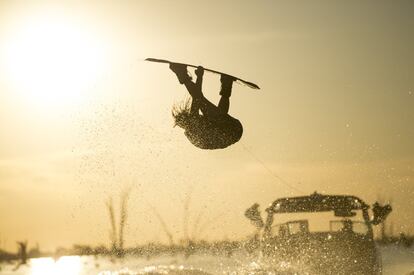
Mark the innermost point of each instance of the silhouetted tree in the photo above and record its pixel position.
(112, 234)
(123, 219)
(118, 239)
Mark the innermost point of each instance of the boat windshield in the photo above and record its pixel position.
(294, 223)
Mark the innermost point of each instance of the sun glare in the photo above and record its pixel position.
(52, 62)
(70, 265)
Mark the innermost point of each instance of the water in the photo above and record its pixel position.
(396, 260)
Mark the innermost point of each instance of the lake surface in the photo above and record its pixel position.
(396, 260)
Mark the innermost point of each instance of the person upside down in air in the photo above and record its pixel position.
(206, 125)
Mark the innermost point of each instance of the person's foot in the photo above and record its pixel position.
(181, 72)
(226, 85)
(199, 71)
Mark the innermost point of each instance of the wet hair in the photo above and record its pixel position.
(181, 113)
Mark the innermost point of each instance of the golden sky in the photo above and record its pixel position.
(83, 116)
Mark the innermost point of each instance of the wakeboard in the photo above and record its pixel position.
(247, 83)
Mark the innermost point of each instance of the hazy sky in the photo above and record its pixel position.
(84, 117)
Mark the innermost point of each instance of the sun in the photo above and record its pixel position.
(53, 61)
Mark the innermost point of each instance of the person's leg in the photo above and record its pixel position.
(195, 106)
(225, 92)
(194, 89)
(181, 72)
(223, 106)
(208, 108)
(199, 102)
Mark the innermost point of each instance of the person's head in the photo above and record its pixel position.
(181, 113)
(347, 225)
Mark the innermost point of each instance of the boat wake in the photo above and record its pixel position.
(158, 270)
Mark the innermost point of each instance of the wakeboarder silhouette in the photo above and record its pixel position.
(206, 125)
